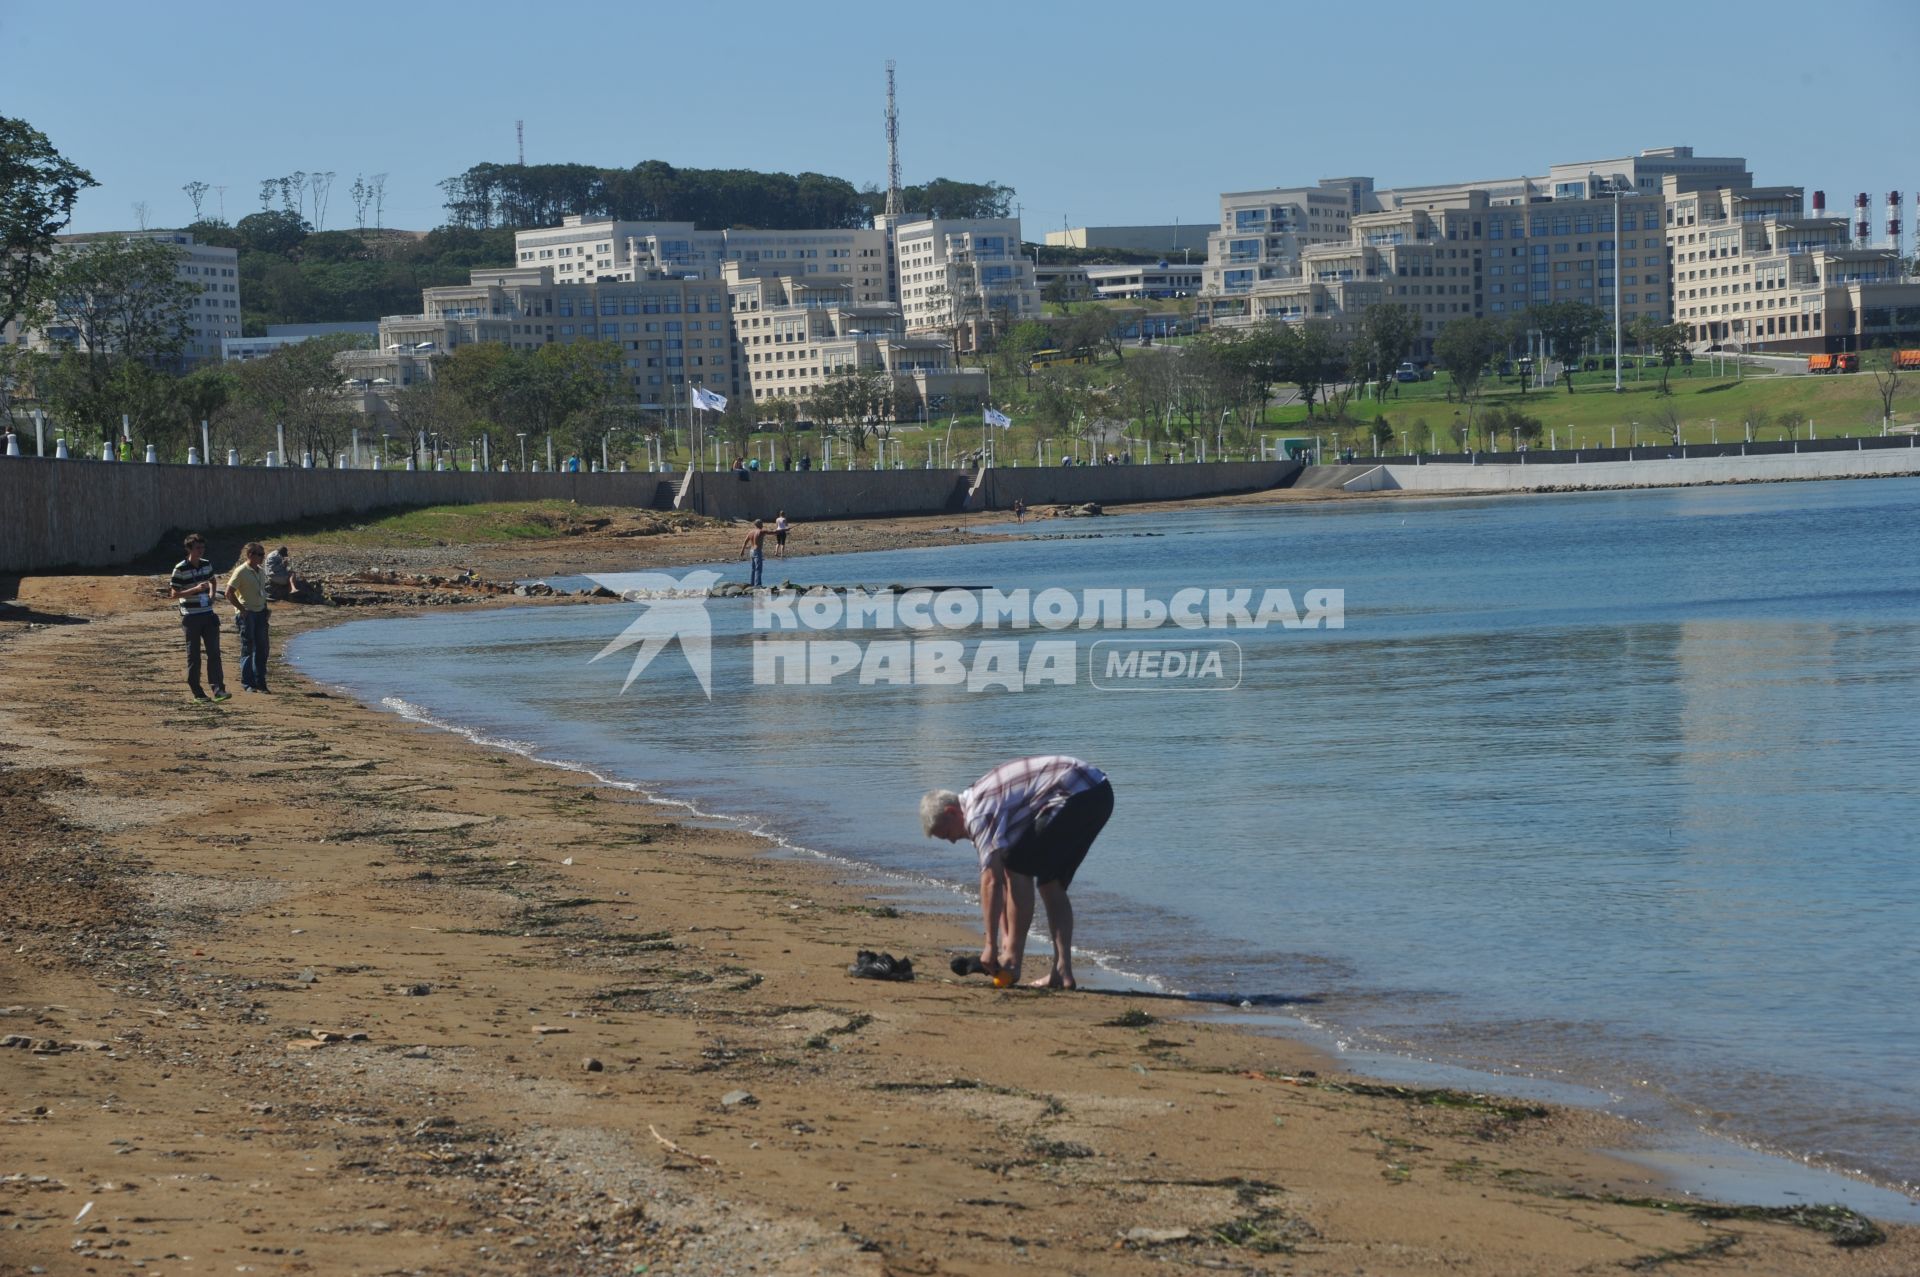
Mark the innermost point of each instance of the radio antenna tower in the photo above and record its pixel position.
(520, 132)
(893, 148)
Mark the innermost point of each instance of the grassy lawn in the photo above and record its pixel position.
(467, 524)
(1704, 404)
(1593, 414)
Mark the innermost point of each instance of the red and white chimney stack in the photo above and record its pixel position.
(1893, 220)
(1862, 223)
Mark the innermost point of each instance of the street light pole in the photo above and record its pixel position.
(1614, 189)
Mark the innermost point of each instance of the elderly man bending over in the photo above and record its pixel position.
(1032, 820)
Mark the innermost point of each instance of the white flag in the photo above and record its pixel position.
(704, 398)
(996, 418)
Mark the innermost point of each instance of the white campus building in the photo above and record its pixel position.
(213, 317)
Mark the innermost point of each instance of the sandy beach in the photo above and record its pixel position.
(289, 985)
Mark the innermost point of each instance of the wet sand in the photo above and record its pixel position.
(308, 988)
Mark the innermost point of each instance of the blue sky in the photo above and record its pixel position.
(1096, 113)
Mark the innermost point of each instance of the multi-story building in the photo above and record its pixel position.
(1181, 238)
(1751, 269)
(1646, 172)
(1160, 280)
(1488, 249)
(1262, 233)
(961, 276)
(242, 349)
(213, 317)
(672, 332)
(1063, 283)
(792, 332)
(580, 251)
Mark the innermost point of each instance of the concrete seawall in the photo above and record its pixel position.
(96, 514)
(1660, 472)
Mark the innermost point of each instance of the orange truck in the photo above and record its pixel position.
(1907, 359)
(1833, 363)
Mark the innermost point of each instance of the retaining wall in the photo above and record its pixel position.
(100, 513)
(826, 494)
(1663, 472)
(97, 513)
(1119, 485)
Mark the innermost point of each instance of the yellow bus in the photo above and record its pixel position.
(1044, 358)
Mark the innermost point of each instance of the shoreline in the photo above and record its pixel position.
(187, 932)
(1690, 1159)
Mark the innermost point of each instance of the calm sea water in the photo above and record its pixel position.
(1616, 789)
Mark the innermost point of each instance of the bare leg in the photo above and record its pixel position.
(990, 922)
(1013, 946)
(1060, 932)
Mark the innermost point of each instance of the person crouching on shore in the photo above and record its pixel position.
(1032, 821)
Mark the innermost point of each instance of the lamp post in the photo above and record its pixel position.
(522, 437)
(1617, 191)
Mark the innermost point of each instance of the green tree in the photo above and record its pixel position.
(1058, 398)
(103, 303)
(38, 187)
(1086, 332)
(1517, 425)
(1059, 292)
(1669, 342)
(428, 407)
(1568, 327)
(298, 387)
(201, 395)
(781, 413)
(1382, 432)
(1887, 376)
(1465, 347)
(1387, 333)
(1013, 354)
(1310, 358)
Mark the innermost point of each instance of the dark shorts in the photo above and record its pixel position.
(1053, 854)
(779, 537)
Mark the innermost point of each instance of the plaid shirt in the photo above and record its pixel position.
(1002, 805)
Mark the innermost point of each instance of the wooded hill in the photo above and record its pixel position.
(292, 274)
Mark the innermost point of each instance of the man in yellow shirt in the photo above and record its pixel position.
(247, 590)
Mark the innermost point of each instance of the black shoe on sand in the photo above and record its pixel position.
(969, 964)
(868, 965)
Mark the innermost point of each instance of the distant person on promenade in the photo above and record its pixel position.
(780, 529)
(1032, 821)
(247, 591)
(282, 581)
(1019, 510)
(753, 545)
(192, 586)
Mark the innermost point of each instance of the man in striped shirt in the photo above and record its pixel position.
(192, 584)
(1032, 821)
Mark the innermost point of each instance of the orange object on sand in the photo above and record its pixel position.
(1002, 979)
